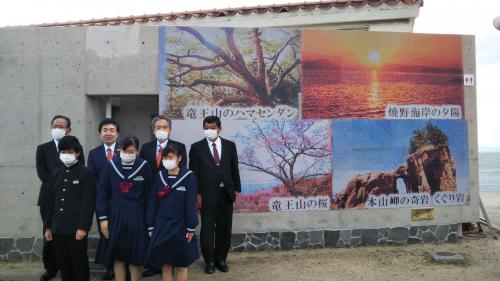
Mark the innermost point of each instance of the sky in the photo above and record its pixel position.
(436, 16)
(351, 49)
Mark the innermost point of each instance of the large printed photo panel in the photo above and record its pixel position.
(234, 73)
(381, 75)
(285, 165)
(400, 163)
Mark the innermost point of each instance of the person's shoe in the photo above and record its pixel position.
(108, 275)
(148, 272)
(210, 268)
(47, 275)
(222, 266)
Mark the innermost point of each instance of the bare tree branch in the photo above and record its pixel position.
(191, 67)
(213, 83)
(259, 55)
(263, 170)
(285, 73)
(278, 53)
(193, 56)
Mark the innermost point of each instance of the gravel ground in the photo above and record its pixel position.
(409, 262)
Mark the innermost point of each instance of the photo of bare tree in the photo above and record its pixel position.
(229, 68)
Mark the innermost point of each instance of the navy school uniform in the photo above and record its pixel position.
(71, 207)
(96, 162)
(149, 151)
(47, 163)
(171, 214)
(122, 193)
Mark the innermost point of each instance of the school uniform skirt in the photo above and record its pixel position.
(169, 245)
(127, 240)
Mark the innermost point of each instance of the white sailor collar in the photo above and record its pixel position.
(136, 168)
(177, 182)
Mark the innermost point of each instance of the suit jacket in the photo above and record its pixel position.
(97, 159)
(47, 162)
(149, 151)
(71, 203)
(202, 163)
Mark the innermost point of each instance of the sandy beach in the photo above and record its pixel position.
(491, 201)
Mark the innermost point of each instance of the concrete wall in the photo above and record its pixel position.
(70, 71)
(135, 114)
(74, 70)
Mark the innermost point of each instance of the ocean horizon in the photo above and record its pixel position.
(489, 171)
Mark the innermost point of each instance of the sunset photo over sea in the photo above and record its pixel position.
(357, 74)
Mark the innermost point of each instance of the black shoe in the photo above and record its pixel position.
(108, 275)
(210, 268)
(47, 275)
(148, 272)
(222, 266)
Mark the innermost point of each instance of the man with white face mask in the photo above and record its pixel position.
(151, 151)
(161, 127)
(214, 161)
(47, 162)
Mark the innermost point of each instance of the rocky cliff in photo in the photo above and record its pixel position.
(429, 168)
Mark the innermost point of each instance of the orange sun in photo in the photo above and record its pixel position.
(374, 58)
(358, 74)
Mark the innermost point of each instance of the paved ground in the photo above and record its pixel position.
(408, 262)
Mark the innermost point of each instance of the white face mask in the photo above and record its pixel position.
(68, 159)
(161, 135)
(169, 164)
(58, 134)
(210, 134)
(127, 158)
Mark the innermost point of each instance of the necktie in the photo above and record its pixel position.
(158, 156)
(109, 155)
(216, 154)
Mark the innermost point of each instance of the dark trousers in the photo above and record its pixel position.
(72, 257)
(216, 224)
(48, 252)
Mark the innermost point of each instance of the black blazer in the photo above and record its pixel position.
(72, 196)
(47, 162)
(97, 159)
(149, 150)
(202, 163)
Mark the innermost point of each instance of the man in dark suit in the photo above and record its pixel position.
(109, 130)
(47, 162)
(71, 205)
(152, 153)
(214, 161)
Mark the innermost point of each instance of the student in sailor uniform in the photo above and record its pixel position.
(71, 208)
(152, 152)
(122, 192)
(109, 130)
(172, 217)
